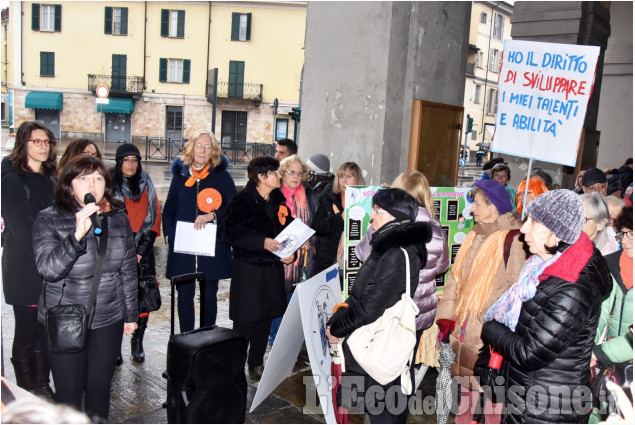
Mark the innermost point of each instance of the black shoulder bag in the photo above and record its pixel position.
(67, 325)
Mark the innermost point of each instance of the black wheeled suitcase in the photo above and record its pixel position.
(205, 372)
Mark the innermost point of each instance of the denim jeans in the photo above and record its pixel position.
(275, 323)
(185, 304)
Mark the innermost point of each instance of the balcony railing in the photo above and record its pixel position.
(247, 91)
(119, 85)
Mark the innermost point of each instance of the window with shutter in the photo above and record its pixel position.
(483, 18)
(35, 16)
(165, 23)
(163, 70)
(108, 20)
(47, 64)
(241, 27)
(236, 79)
(46, 17)
(477, 93)
(498, 26)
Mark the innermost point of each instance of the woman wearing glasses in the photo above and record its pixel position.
(301, 203)
(76, 148)
(28, 179)
(134, 188)
(614, 341)
(596, 222)
(199, 194)
(254, 218)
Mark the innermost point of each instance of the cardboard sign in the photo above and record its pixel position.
(543, 92)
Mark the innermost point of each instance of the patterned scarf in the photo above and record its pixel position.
(475, 289)
(145, 183)
(197, 175)
(299, 207)
(506, 309)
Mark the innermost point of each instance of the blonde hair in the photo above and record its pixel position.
(416, 184)
(188, 149)
(286, 163)
(352, 168)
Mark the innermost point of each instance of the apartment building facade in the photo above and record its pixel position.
(158, 60)
(490, 26)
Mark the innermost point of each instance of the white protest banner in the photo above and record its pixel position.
(543, 92)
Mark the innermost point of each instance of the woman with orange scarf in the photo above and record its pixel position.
(487, 264)
(200, 192)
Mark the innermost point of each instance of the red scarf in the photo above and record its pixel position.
(300, 198)
(626, 270)
(197, 175)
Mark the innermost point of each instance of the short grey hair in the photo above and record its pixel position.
(596, 208)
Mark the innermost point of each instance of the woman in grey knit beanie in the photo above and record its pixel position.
(544, 326)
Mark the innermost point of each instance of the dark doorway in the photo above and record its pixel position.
(50, 118)
(234, 129)
(118, 128)
(174, 123)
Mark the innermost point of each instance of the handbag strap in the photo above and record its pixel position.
(407, 273)
(103, 242)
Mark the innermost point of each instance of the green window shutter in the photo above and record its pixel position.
(35, 16)
(186, 71)
(43, 63)
(248, 27)
(58, 17)
(163, 70)
(235, 26)
(51, 64)
(108, 21)
(165, 23)
(180, 26)
(124, 21)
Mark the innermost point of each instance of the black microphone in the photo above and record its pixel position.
(88, 199)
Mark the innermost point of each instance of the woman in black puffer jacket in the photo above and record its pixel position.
(546, 370)
(378, 286)
(66, 254)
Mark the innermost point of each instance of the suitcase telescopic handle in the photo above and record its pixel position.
(177, 280)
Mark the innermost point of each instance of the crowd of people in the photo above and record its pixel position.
(550, 290)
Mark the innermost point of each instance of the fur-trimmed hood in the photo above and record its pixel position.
(398, 234)
(178, 168)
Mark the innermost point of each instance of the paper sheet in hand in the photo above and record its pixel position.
(188, 240)
(293, 237)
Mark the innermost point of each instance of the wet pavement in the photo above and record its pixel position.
(138, 389)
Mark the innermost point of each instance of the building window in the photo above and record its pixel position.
(492, 103)
(241, 27)
(116, 20)
(174, 70)
(477, 93)
(172, 23)
(483, 18)
(479, 59)
(494, 60)
(234, 129)
(499, 23)
(236, 79)
(46, 17)
(473, 134)
(47, 64)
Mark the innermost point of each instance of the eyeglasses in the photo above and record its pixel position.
(378, 211)
(201, 146)
(90, 153)
(39, 142)
(596, 187)
(620, 235)
(269, 173)
(294, 173)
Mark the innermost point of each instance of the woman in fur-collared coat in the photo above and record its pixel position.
(254, 218)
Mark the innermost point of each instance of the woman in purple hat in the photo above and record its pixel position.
(487, 264)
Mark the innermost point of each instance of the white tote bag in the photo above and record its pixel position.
(384, 348)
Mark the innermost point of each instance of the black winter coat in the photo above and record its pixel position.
(381, 280)
(548, 356)
(257, 286)
(24, 195)
(68, 266)
(328, 228)
(181, 205)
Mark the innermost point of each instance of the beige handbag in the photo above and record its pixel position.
(385, 347)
